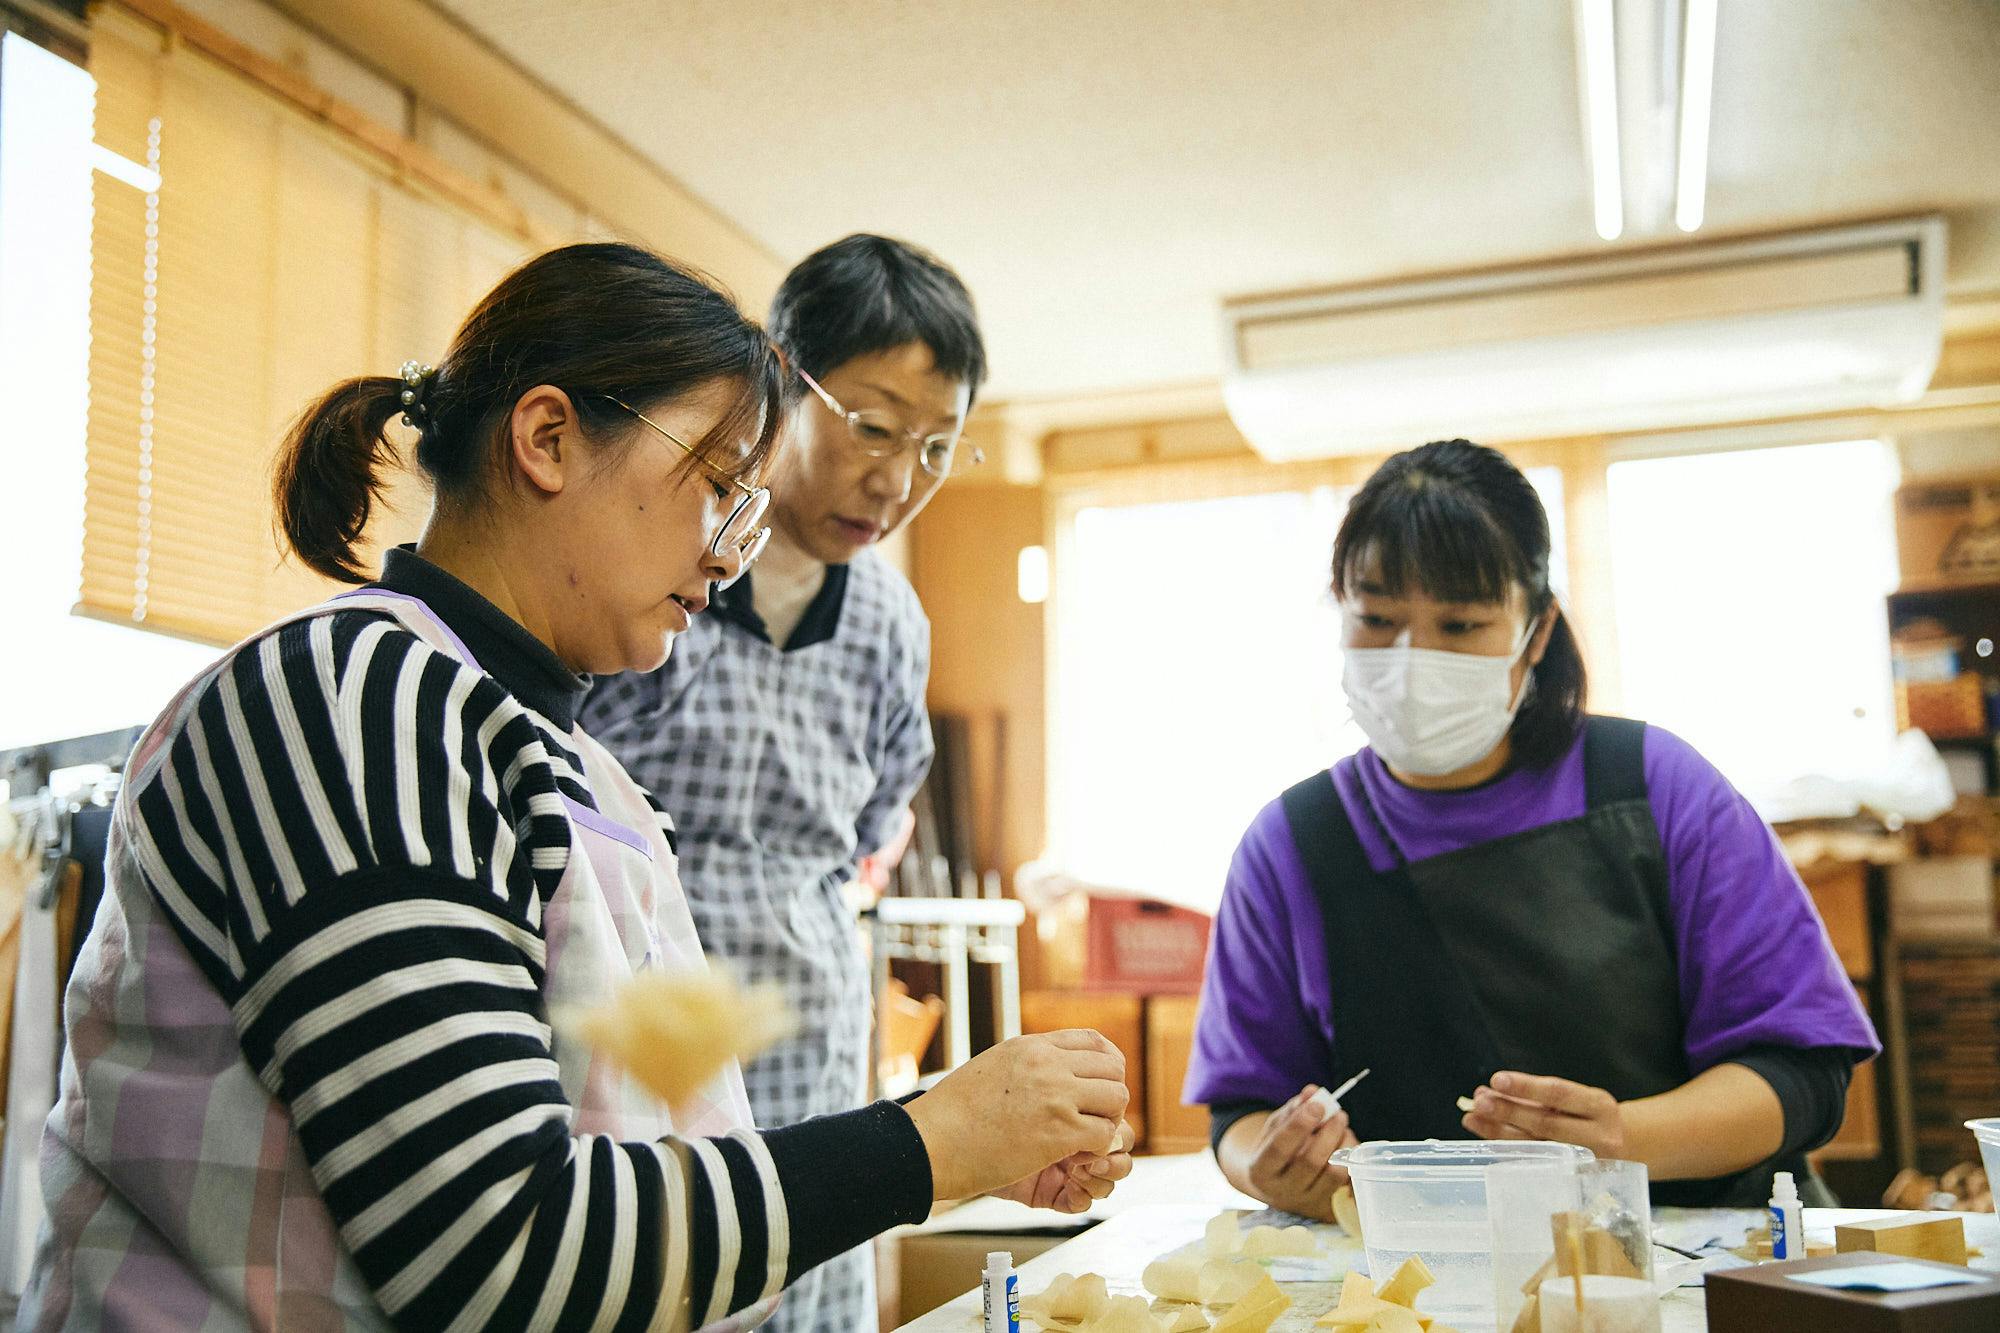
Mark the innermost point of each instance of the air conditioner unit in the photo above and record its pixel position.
(1830, 320)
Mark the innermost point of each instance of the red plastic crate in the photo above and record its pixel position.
(1143, 947)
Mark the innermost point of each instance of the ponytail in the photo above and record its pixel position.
(1547, 724)
(604, 321)
(331, 470)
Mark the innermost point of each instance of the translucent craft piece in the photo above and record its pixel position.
(1223, 1281)
(1258, 1309)
(674, 1031)
(1174, 1279)
(1273, 1243)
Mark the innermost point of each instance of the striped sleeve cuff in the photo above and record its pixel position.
(847, 1178)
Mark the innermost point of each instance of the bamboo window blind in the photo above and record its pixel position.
(275, 258)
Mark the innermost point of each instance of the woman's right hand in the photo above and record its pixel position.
(1281, 1156)
(1018, 1107)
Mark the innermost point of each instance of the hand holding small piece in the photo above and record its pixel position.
(1078, 1181)
(1016, 1109)
(1527, 1106)
(1289, 1166)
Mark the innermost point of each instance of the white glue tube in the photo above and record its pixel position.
(1788, 1228)
(1002, 1294)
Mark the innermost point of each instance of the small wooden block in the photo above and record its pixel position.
(1940, 1239)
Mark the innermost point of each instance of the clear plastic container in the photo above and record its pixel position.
(1429, 1199)
(1608, 1211)
(1986, 1131)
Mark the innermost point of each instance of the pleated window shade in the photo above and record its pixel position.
(276, 258)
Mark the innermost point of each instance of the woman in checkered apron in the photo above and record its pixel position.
(817, 665)
(310, 1080)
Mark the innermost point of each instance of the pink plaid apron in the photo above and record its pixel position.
(178, 1194)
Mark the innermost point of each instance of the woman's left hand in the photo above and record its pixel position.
(1529, 1106)
(1078, 1181)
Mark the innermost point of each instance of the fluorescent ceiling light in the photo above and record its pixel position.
(1599, 54)
(122, 168)
(1697, 91)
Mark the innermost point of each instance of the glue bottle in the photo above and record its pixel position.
(1002, 1295)
(1788, 1232)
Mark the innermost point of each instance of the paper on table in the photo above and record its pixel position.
(1318, 1268)
(1885, 1277)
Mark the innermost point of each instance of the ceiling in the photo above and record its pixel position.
(1104, 172)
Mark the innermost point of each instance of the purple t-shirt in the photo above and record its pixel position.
(1756, 966)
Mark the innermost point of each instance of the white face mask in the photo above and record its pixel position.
(1430, 713)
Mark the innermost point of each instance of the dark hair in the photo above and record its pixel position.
(1459, 521)
(593, 320)
(867, 294)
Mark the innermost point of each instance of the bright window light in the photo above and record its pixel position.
(1750, 591)
(121, 168)
(62, 676)
(1031, 574)
(1697, 98)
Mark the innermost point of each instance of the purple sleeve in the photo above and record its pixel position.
(1257, 1037)
(1756, 966)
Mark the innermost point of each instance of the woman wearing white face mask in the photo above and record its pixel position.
(1574, 919)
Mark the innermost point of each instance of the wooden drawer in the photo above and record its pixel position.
(1860, 1136)
(1169, 1042)
(1840, 891)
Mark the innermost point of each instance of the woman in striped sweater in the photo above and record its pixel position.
(310, 1079)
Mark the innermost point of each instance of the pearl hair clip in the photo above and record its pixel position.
(417, 378)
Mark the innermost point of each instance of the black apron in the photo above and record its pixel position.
(1549, 951)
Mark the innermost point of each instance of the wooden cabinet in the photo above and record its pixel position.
(1156, 1033)
(1169, 1043)
(1122, 1020)
(1840, 891)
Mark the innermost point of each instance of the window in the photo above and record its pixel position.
(59, 675)
(1750, 589)
(272, 256)
(1198, 676)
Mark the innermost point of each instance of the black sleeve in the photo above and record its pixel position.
(1811, 1083)
(1221, 1115)
(847, 1178)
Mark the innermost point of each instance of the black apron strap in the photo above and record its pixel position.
(1399, 1007)
(1614, 761)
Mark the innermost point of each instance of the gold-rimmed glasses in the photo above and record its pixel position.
(743, 531)
(879, 435)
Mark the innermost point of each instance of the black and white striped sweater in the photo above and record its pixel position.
(353, 834)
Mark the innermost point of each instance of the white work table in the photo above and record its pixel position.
(1120, 1247)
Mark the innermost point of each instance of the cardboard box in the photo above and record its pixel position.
(1952, 709)
(1170, 1126)
(1764, 1298)
(935, 1268)
(1142, 947)
(1942, 897)
(1948, 531)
